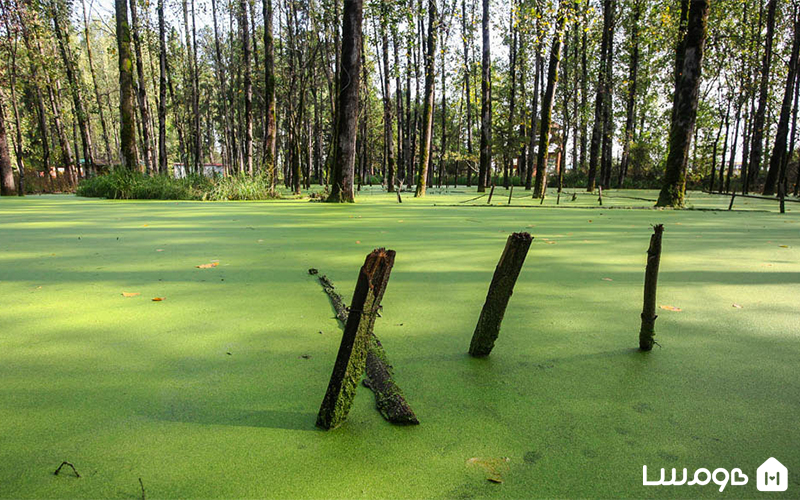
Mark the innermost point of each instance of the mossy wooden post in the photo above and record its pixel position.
(647, 331)
(350, 360)
(505, 276)
(600, 195)
(491, 193)
(510, 194)
(730, 206)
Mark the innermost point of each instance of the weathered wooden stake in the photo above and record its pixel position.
(782, 195)
(733, 197)
(647, 331)
(350, 360)
(510, 193)
(505, 276)
(491, 193)
(600, 195)
(389, 398)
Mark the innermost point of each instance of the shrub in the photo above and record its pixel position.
(127, 185)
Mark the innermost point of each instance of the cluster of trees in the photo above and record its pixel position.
(609, 93)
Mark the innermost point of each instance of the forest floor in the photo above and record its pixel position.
(213, 392)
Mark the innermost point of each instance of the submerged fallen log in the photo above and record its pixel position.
(389, 398)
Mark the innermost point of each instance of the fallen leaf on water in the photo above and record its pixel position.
(159, 299)
(737, 306)
(207, 266)
(493, 467)
(671, 308)
(358, 242)
(766, 265)
(144, 225)
(159, 249)
(550, 242)
(130, 294)
(607, 279)
(784, 246)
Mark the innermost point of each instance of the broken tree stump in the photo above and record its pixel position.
(500, 290)
(647, 331)
(389, 398)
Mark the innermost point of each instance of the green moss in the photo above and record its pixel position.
(125, 388)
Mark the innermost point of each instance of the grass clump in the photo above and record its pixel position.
(242, 187)
(127, 185)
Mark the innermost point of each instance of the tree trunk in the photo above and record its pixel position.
(162, 91)
(248, 89)
(347, 107)
(141, 91)
(7, 186)
(600, 100)
(500, 290)
(631, 106)
(756, 150)
(486, 103)
(75, 88)
(387, 112)
(685, 113)
(547, 106)
(776, 164)
(127, 117)
(427, 114)
(100, 107)
(269, 94)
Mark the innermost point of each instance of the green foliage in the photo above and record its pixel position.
(122, 184)
(241, 187)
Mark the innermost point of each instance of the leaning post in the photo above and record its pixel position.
(647, 330)
(352, 356)
(500, 290)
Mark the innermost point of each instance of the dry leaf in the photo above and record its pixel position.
(550, 242)
(784, 246)
(358, 242)
(607, 279)
(144, 225)
(159, 249)
(159, 299)
(130, 294)
(671, 308)
(494, 467)
(737, 306)
(207, 266)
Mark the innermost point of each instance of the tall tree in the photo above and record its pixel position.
(269, 94)
(633, 73)
(776, 171)
(757, 147)
(427, 114)
(93, 73)
(347, 107)
(141, 90)
(485, 170)
(162, 89)
(248, 88)
(7, 186)
(600, 98)
(685, 113)
(547, 104)
(127, 118)
(387, 106)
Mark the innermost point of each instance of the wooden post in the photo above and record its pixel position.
(350, 360)
(399, 199)
(505, 276)
(510, 193)
(600, 195)
(733, 197)
(781, 195)
(491, 193)
(647, 331)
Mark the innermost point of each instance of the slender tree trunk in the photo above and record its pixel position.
(75, 88)
(608, 104)
(347, 107)
(685, 113)
(127, 117)
(631, 106)
(100, 107)
(162, 91)
(387, 112)
(430, 80)
(756, 150)
(7, 186)
(732, 161)
(269, 94)
(248, 89)
(547, 106)
(485, 170)
(141, 91)
(776, 171)
(466, 37)
(599, 104)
